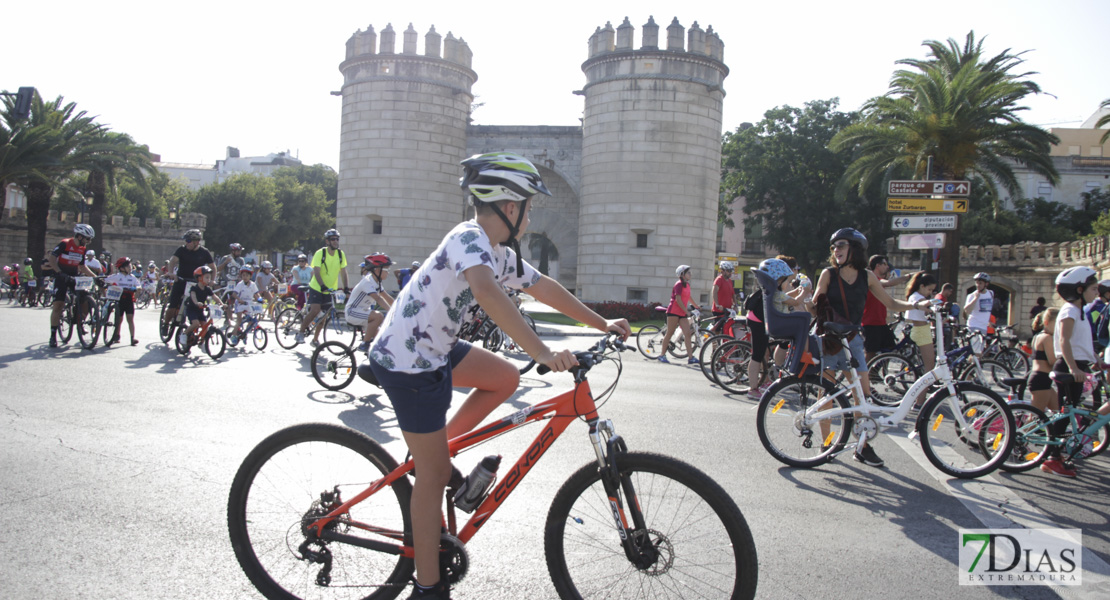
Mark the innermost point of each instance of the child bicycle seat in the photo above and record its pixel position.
(792, 327)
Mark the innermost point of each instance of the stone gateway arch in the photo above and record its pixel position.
(634, 190)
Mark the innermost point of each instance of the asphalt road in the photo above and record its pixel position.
(117, 463)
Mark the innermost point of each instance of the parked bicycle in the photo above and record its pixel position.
(807, 421)
(649, 340)
(320, 510)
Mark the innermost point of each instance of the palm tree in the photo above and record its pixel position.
(958, 108)
(104, 156)
(49, 138)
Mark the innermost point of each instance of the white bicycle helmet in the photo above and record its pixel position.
(267, 264)
(727, 265)
(983, 276)
(85, 230)
(681, 269)
(1070, 280)
(501, 176)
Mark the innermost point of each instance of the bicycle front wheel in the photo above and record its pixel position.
(297, 475)
(650, 341)
(286, 326)
(260, 338)
(950, 428)
(688, 533)
(333, 365)
(1015, 360)
(108, 324)
(215, 343)
(791, 426)
(705, 354)
(88, 326)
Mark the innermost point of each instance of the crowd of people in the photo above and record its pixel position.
(853, 290)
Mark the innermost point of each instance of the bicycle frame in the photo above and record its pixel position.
(559, 410)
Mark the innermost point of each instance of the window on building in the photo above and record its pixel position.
(1044, 190)
(1096, 151)
(377, 226)
(643, 237)
(636, 295)
(1073, 150)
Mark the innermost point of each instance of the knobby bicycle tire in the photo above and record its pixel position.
(65, 326)
(958, 450)
(88, 325)
(789, 435)
(702, 541)
(281, 485)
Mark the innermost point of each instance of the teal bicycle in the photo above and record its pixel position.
(1088, 432)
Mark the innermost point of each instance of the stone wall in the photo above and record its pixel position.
(1026, 270)
(155, 240)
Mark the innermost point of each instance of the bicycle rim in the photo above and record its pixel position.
(705, 355)
(703, 544)
(215, 343)
(1031, 438)
(730, 365)
(791, 435)
(650, 341)
(286, 327)
(950, 428)
(891, 377)
(333, 365)
(282, 484)
(88, 326)
(260, 337)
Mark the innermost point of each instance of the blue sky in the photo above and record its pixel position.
(189, 79)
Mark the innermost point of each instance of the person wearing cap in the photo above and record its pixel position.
(722, 295)
(404, 275)
(978, 304)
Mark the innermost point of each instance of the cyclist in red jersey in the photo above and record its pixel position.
(877, 336)
(722, 295)
(67, 259)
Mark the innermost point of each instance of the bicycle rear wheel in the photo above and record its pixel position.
(690, 535)
(297, 475)
(950, 428)
(787, 425)
(333, 365)
(705, 354)
(108, 324)
(649, 341)
(891, 376)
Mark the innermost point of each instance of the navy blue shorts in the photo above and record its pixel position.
(421, 400)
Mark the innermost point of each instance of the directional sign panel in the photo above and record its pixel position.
(930, 188)
(920, 241)
(926, 222)
(927, 205)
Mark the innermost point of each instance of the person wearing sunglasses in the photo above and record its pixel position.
(67, 260)
(844, 285)
(329, 267)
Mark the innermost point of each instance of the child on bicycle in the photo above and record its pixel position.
(244, 292)
(1077, 286)
(198, 297)
(126, 304)
(417, 356)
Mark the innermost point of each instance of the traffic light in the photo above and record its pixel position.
(23, 102)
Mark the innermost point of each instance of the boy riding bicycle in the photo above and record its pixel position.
(244, 292)
(417, 356)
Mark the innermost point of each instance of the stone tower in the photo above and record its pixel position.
(403, 136)
(651, 161)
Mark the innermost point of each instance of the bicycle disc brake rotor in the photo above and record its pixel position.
(656, 552)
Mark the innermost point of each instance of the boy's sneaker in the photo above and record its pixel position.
(692, 361)
(867, 456)
(183, 338)
(1057, 467)
(299, 338)
(663, 359)
(53, 342)
(364, 346)
(439, 591)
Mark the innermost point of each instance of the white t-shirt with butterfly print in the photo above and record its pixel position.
(423, 324)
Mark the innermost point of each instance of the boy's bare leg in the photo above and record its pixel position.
(494, 380)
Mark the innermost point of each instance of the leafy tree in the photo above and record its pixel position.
(105, 156)
(303, 213)
(786, 174)
(42, 150)
(242, 209)
(319, 175)
(962, 110)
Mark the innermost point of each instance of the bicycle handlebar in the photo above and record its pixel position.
(589, 358)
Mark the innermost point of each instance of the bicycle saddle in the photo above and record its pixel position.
(840, 330)
(1013, 382)
(1062, 377)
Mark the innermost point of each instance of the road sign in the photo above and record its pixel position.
(927, 205)
(926, 222)
(930, 188)
(920, 241)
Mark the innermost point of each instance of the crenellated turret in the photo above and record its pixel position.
(403, 135)
(651, 160)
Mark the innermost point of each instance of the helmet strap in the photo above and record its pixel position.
(513, 242)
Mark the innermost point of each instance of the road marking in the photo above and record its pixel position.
(998, 507)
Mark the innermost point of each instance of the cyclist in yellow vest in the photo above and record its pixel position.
(329, 265)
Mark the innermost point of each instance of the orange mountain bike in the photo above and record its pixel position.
(322, 511)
